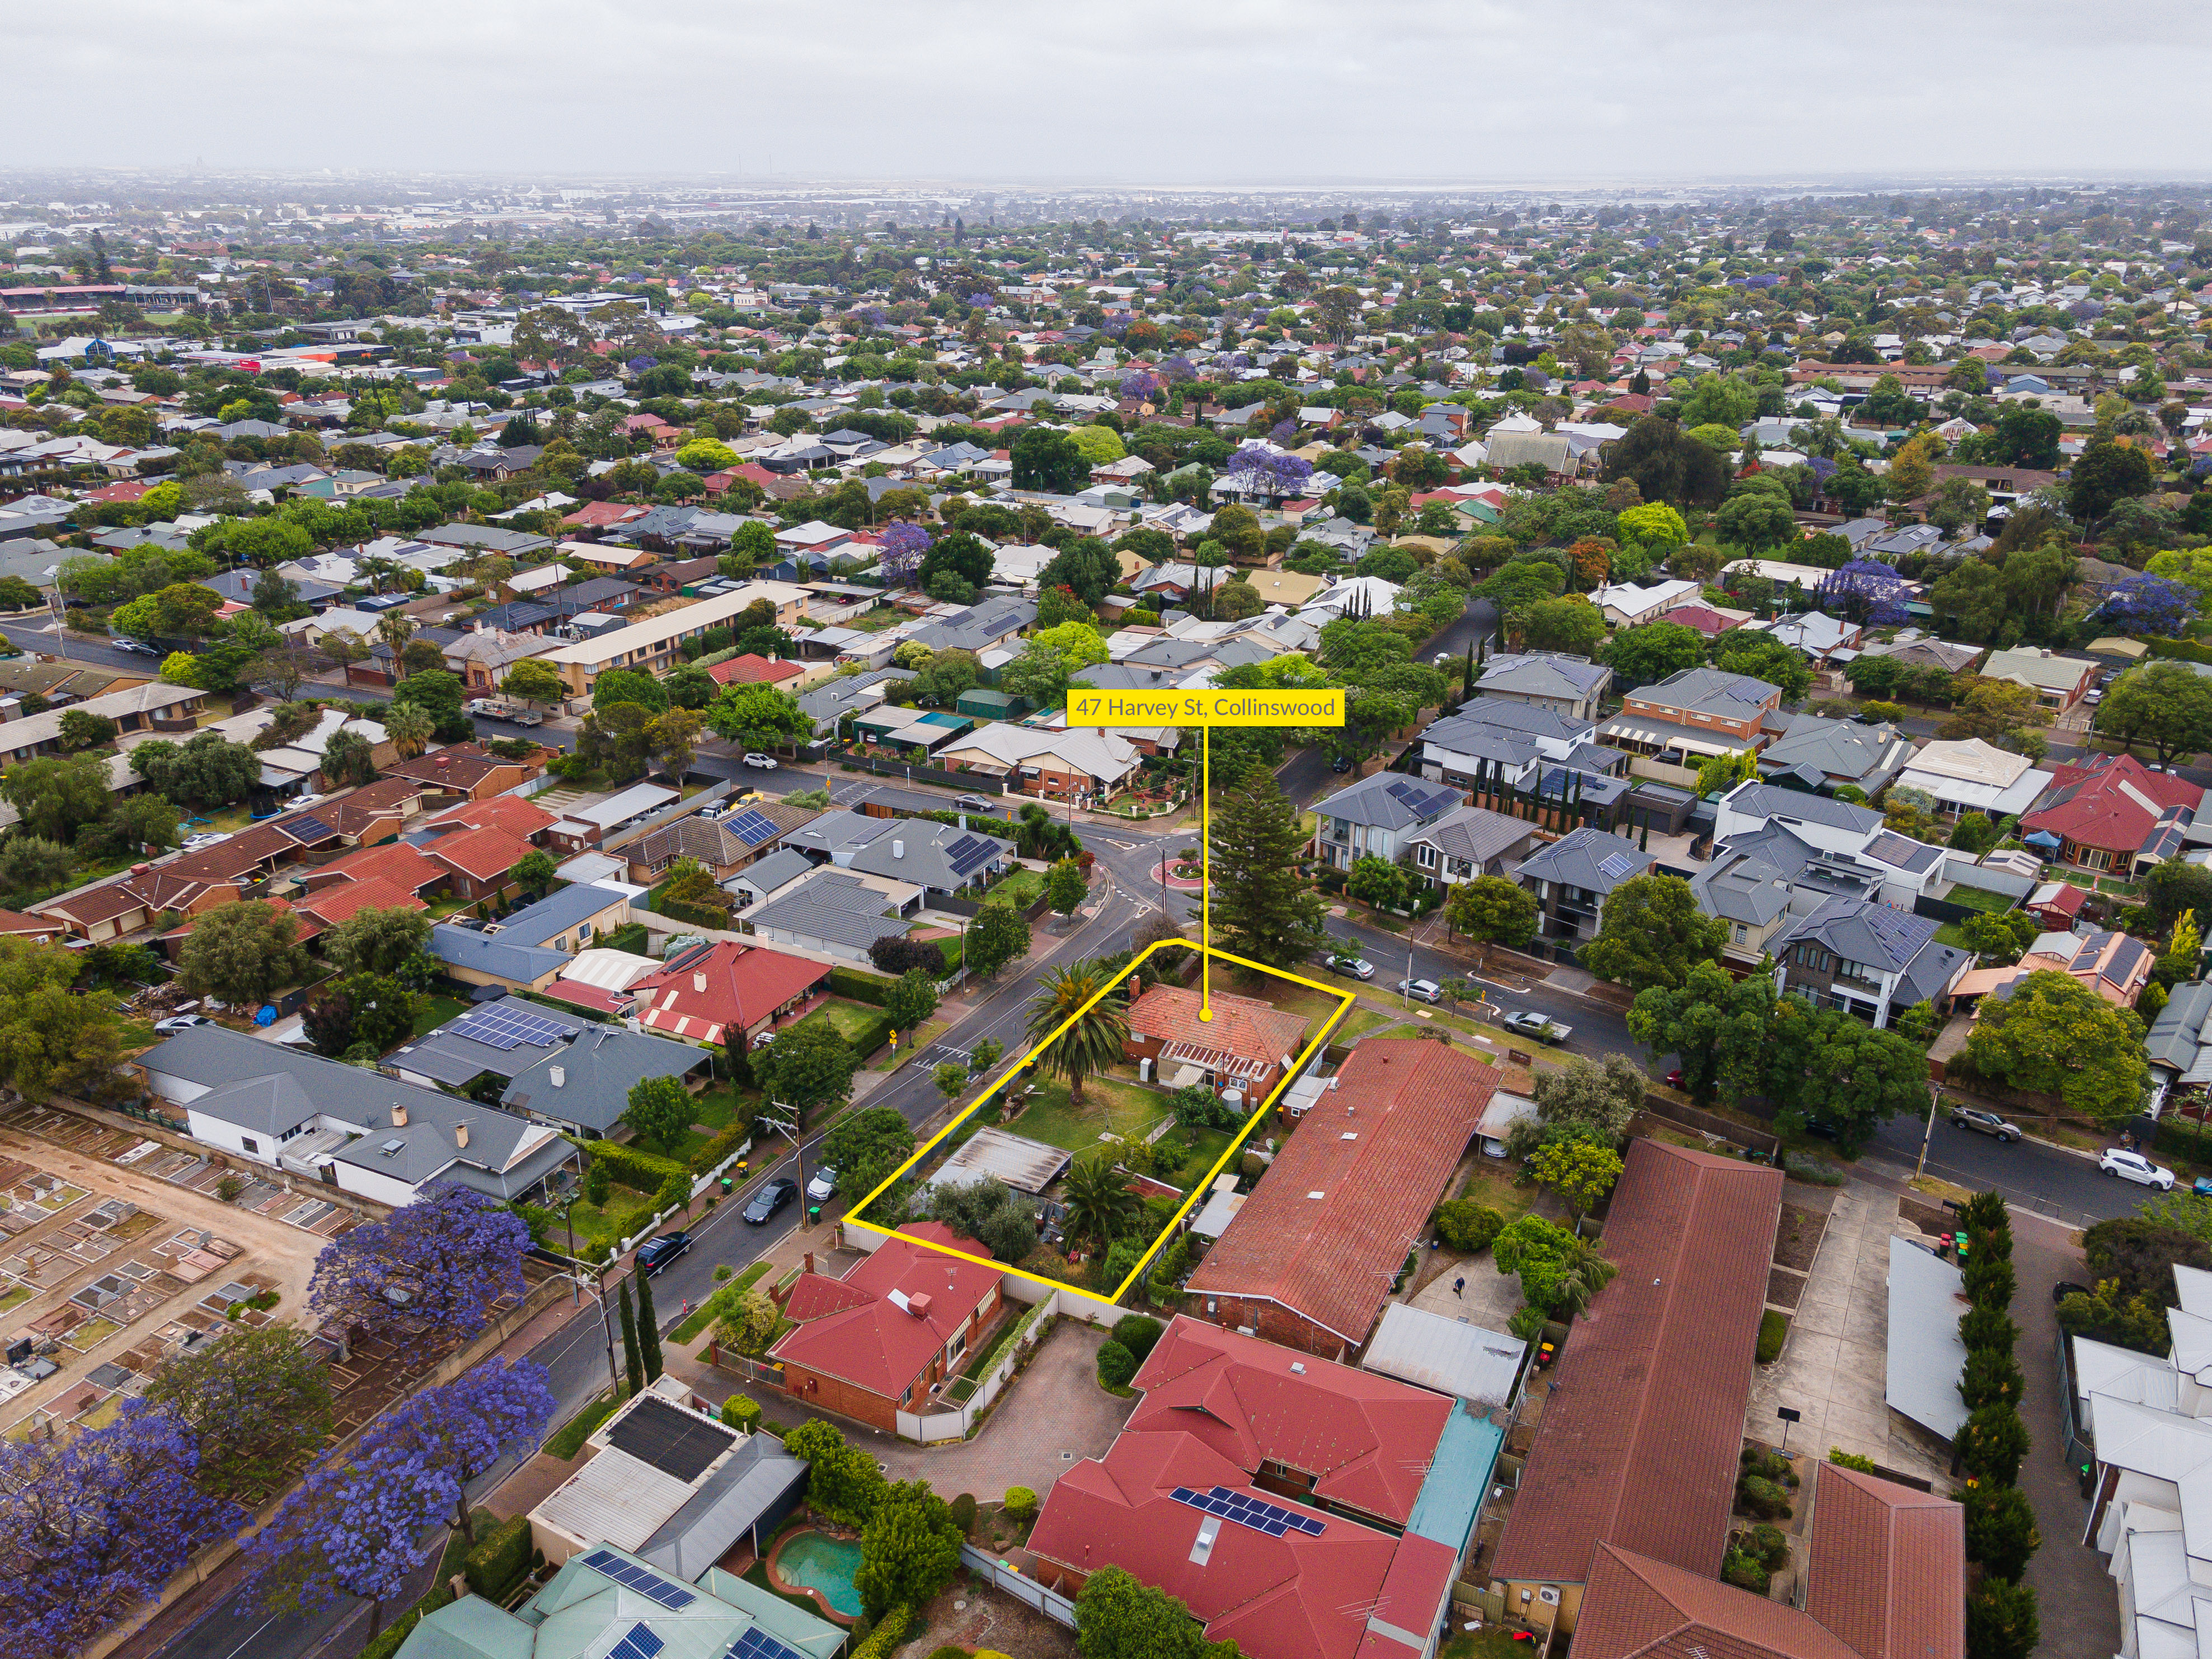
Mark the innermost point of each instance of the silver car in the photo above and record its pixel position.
(1421, 990)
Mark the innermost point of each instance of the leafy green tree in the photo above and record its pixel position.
(1652, 524)
(998, 935)
(842, 1482)
(1559, 1272)
(28, 863)
(535, 872)
(1601, 1097)
(1857, 1078)
(1719, 1027)
(2001, 1621)
(2163, 704)
(535, 681)
(1652, 933)
(243, 953)
(1645, 655)
(808, 1064)
(2105, 474)
(758, 715)
(1376, 881)
(660, 1109)
(1579, 1168)
(1571, 624)
(1263, 910)
(910, 1549)
(866, 1146)
(437, 694)
(1493, 910)
(206, 770)
(911, 1000)
(1118, 1616)
(82, 729)
(1097, 1018)
(2055, 1036)
(629, 685)
(257, 1403)
(1048, 460)
(1100, 1205)
(1065, 887)
(57, 795)
(374, 941)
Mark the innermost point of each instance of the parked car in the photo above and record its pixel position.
(1987, 1123)
(823, 1187)
(1529, 1022)
(135, 647)
(770, 1199)
(180, 1023)
(1421, 990)
(660, 1252)
(2066, 1287)
(1357, 966)
(1341, 763)
(1674, 1077)
(973, 804)
(2134, 1166)
(2202, 1187)
(759, 762)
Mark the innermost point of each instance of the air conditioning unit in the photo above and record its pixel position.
(1549, 1595)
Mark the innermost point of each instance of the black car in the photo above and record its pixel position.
(1341, 763)
(2063, 1289)
(770, 1199)
(660, 1252)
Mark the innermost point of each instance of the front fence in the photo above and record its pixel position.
(1031, 1594)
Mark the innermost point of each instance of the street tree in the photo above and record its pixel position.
(2055, 1036)
(430, 1272)
(533, 680)
(2163, 704)
(807, 1066)
(866, 1146)
(1065, 887)
(1494, 911)
(256, 1402)
(206, 770)
(1602, 1097)
(1652, 933)
(911, 1000)
(998, 934)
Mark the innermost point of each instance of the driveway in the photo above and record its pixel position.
(1054, 1415)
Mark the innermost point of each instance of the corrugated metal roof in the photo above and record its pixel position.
(1451, 1356)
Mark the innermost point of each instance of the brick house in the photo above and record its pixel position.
(1690, 717)
(876, 1342)
(1379, 1145)
(464, 771)
(1244, 1046)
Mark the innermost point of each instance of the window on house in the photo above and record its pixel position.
(1428, 857)
(1741, 933)
(955, 1348)
(249, 1142)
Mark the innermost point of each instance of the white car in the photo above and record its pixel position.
(823, 1187)
(205, 840)
(180, 1023)
(2134, 1166)
(763, 763)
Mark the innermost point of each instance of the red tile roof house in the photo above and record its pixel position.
(1344, 1452)
(481, 860)
(1242, 1047)
(752, 669)
(2104, 810)
(872, 1344)
(707, 996)
(1637, 1446)
(1309, 1261)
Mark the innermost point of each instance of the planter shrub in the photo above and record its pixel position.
(1116, 1365)
(501, 1557)
(743, 1412)
(1773, 1332)
(1763, 1498)
(1021, 1502)
(1468, 1227)
(1138, 1333)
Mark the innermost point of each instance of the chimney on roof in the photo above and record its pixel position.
(398, 1114)
(899, 849)
(699, 983)
(461, 1133)
(809, 1261)
(918, 1304)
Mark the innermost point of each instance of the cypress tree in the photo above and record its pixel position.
(632, 1367)
(648, 1330)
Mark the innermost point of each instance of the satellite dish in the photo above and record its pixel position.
(265, 1014)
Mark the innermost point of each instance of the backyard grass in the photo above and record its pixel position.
(1952, 934)
(630, 936)
(704, 1316)
(1123, 1109)
(1977, 898)
(1207, 1145)
(435, 1011)
(1491, 1182)
(1359, 1021)
(1491, 1642)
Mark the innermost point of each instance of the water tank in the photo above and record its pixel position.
(1144, 1071)
(1234, 1100)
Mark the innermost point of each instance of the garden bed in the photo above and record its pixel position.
(1797, 1240)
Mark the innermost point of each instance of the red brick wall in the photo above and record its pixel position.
(831, 1394)
(1274, 1322)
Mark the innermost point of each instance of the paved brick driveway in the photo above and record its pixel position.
(1056, 1407)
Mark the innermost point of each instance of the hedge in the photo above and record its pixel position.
(389, 1640)
(720, 1146)
(1773, 1330)
(871, 989)
(887, 1637)
(741, 1411)
(643, 1172)
(501, 1557)
(871, 1037)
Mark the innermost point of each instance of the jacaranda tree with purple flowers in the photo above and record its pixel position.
(93, 1525)
(903, 546)
(1142, 385)
(354, 1526)
(1177, 369)
(2148, 605)
(1866, 592)
(1258, 470)
(430, 1272)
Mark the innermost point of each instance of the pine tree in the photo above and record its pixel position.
(632, 1367)
(1263, 910)
(648, 1330)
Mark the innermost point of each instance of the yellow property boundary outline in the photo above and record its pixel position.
(1251, 1122)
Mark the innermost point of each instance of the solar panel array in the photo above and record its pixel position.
(669, 1595)
(309, 828)
(503, 1027)
(752, 826)
(640, 1644)
(1417, 798)
(971, 853)
(757, 1643)
(1247, 1510)
(1614, 866)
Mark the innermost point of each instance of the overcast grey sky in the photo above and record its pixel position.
(1166, 90)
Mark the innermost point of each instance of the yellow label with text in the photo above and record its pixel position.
(1208, 707)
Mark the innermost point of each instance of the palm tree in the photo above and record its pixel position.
(1099, 1203)
(409, 729)
(1094, 1042)
(1584, 1274)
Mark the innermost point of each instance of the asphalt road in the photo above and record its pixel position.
(2063, 1184)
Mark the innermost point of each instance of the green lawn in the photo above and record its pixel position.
(1020, 888)
(847, 1020)
(435, 1011)
(1975, 898)
(1207, 1145)
(1123, 1109)
(718, 1107)
(689, 1329)
(1360, 1021)
(1952, 934)
(570, 1437)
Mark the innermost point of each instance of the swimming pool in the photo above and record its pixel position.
(816, 1561)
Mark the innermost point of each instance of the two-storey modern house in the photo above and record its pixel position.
(1567, 684)
(1688, 718)
(1868, 960)
(1573, 876)
(1374, 817)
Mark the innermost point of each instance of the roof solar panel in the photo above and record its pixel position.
(308, 827)
(640, 1644)
(751, 827)
(757, 1643)
(1616, 866)
(1249, 1511)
